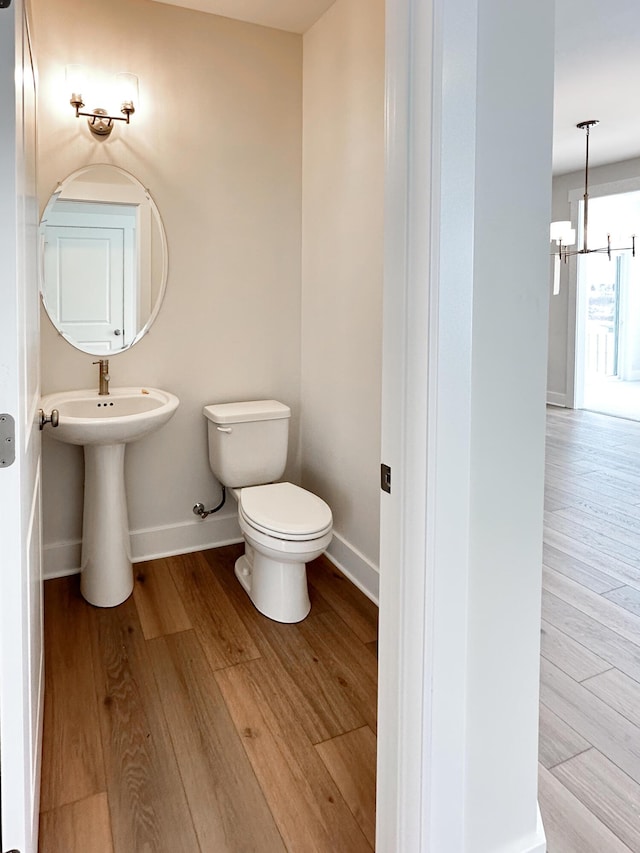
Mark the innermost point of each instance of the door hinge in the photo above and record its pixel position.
(7, 440)
(385, 478)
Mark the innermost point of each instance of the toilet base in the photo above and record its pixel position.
(277, 589)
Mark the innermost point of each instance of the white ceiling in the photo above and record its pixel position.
(597, 75)
(296, 16)
(597, 68)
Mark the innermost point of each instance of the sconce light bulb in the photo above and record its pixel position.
(128, 91)
(76, 78)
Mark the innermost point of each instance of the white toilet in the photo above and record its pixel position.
(284, 526)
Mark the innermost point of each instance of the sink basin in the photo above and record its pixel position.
(124, 415)
(104, 425)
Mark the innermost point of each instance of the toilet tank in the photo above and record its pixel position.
(248, 441)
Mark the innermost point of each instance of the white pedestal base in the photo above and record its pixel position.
(107, 572)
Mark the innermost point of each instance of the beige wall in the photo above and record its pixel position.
(342, 250)
(216, 139)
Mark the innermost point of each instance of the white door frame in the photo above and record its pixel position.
(427, 748)
(448, 64)
(21, 628)
(575, 317)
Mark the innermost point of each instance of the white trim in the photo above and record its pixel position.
(439, 621)
(539, 844)
(555, 398)
(21, 636)
(627, 185)
(393, 755)
(355, 566)
(63, 558)
(572, 321)
(578, 272)
(535, 844)
(184, 538)
(426, 379)
(575, 380)
(37, 764)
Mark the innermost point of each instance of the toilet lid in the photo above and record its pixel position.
(285, 510)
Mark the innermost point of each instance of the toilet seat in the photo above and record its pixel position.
(285, 511)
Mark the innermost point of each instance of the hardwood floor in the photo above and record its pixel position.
(590, 642)
(183, 720)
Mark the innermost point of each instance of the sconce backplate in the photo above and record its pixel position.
(98, 125)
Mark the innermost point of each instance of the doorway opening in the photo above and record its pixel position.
(608, 323)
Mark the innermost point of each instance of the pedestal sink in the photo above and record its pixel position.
(104, 425)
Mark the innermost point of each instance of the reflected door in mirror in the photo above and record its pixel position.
(89, 257)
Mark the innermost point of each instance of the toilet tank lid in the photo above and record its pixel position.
(254, 410)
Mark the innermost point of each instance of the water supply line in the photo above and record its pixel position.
(199, 509)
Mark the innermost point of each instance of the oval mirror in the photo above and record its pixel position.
(104, 259)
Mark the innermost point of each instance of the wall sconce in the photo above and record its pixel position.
(99, 121)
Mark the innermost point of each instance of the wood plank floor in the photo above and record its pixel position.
(184, 720)
(590, 641)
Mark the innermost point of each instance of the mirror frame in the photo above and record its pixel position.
(155, 211)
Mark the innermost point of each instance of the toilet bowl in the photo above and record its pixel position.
(284, 528)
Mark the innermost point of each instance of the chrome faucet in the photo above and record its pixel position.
(104, 376)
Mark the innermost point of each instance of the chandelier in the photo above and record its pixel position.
(564, 234)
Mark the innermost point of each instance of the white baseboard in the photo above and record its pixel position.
(156, 542)
(534, 843)
(355, 566)
(538, 844)
(63, 558)
(60, 559)
(555, 398)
